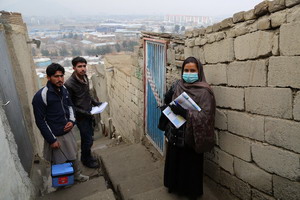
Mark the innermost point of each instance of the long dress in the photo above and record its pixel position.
(183, 171)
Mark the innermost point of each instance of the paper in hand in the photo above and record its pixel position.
(99, 109)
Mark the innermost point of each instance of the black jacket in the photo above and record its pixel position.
(52, 111)
(80, 96)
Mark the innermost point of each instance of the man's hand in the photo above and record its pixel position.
(68, 127)
(55, 145)
(98, 103)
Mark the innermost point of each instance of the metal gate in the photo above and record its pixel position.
(155, 63)
(13, 110)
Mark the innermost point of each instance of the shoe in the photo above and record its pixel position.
(81, 178)
(93, 159)
(91, 164)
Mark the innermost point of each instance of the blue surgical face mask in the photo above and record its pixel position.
(190, 77)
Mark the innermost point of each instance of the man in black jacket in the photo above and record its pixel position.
(78, 87)
(54, 116)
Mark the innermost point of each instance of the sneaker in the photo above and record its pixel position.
(81, 178)
(91, 164)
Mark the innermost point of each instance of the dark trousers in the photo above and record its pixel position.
(86, 129)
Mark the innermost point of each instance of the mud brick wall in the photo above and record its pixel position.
(119, 82)
(252, 62)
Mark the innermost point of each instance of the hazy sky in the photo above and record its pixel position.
(135, 7)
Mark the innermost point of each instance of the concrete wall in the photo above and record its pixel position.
(120, 83)
(252, 62)
(20, 138)
(15, 183)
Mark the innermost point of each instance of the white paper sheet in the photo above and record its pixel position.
(187, 103)
(99, 109)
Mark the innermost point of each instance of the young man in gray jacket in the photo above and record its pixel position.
(78, 87)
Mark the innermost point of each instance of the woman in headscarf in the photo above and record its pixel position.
(183, 172)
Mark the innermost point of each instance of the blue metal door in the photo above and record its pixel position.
(155, 53)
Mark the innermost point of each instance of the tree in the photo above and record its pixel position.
(54, 53)
(118, 47)
(45, 52)
(63, 52)
(176, 28)
(75, 52)
(182, 28)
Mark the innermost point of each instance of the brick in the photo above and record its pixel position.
(190, 42)
(236, 186)
(171, 56)
(296, 108)
(286, 189)
(214, 55)
(275, 49)
(196, 33)
(293, 14)
(249, 173)
(209, 29)
(227, 97)
(213, 155)
(216, 74)
(238, 17)
(197, 41)
(276, 160)
(284, 71)
(257, 195)
(283, 133)
(289, 39)
(264, 23)
(188, 52)
(226, 161)
(216, 27)
(276, 102)
(203, 41)
(278, 18)
(253, 45)
(290, 3)
(199, 53)
(249, 15)
(220, 36)
(249, 73)
(221, 119)
(226, 23)
(276, 5)
(211, 38)
(240, 30)
(212, 170)
(251, 126)
(261, 8)
(235, 145)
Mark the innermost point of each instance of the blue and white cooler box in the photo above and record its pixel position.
(62, 174)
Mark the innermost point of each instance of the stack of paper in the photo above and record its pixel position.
(187, 103)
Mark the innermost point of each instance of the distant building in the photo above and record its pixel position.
(187, 19)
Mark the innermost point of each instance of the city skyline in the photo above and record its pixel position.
(128, 7)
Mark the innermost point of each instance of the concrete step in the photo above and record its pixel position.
(127, 162)
(78, 190)
(160, 193)
(140, 184)
(102, 195)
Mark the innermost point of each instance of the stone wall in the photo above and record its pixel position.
(19, 47)
(119, 82)
(251, 60)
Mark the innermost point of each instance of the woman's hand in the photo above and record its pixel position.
(178, 110)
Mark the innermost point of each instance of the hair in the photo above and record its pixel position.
(78, 59)
(53, 68)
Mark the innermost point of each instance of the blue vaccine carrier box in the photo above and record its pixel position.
(62, 174)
